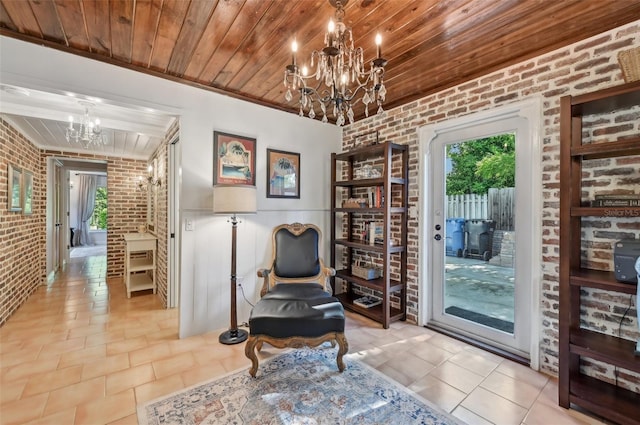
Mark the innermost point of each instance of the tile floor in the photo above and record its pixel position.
(79, 352)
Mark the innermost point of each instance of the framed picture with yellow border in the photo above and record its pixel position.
(234, 159)
(283, 174)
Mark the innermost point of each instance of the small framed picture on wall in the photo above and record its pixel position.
(283, 174)
(14, 192)
(234, 159)
(27, 193)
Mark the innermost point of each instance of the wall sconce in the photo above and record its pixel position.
(145, 183)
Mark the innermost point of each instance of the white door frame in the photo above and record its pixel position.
(64, 176)
(52, 241)
(528, 163)
(173, 231)
(66, 220)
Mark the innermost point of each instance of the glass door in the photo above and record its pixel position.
(474, 241)
(478, 280)
(480, 273)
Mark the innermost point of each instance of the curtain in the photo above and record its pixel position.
(86, 205)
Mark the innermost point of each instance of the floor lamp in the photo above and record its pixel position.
(234, 199)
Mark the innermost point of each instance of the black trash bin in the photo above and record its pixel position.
(479, 239)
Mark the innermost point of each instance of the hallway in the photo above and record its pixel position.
(79, 352)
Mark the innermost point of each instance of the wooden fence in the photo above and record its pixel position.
(498, 205)
(502, 204)
(467, 206)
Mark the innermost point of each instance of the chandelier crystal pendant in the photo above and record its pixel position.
(340, 75)
(88, 132)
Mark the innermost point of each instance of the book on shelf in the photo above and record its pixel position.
(371, 197)
(376, 233)
(616, 202)
(617, 196)
(367, 301)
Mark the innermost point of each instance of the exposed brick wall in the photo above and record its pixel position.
(126, 209)
(581, 68)
(22, 237)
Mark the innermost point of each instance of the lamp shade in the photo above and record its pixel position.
(234, 199)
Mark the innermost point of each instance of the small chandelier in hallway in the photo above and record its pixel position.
(88, 132)
(340, 74)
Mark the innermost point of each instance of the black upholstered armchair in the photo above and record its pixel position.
(296, 258)
(296, 308)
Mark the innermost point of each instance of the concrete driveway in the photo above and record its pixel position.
(477, 286)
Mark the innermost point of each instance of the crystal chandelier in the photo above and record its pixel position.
(340, 75)
(89, 131)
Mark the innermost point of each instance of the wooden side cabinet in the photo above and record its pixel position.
(575, 342)
(385, 183)
(140, 262)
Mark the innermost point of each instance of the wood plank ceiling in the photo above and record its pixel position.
(240, 47)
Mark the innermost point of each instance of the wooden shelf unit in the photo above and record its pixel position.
(393, 160)
(607, 400)
(140, 262)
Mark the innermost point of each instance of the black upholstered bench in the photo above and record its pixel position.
(296, 312)
(296, 315)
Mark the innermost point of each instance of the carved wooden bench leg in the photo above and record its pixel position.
(249, 351)
(343, 348)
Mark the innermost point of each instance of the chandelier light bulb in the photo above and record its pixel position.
(304, 71)
(294, 49)
(379, 44)
(331, 29)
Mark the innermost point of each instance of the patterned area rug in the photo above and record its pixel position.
(88, 251)
(299, 387)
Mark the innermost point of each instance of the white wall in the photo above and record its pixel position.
(205, 257)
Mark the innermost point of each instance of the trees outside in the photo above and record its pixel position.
(477, 165)
(99, 217)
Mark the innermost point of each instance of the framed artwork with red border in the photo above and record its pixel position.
(234, 159)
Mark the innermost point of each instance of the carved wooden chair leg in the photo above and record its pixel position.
(343, 348)
(249, 351)
(259, 346)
